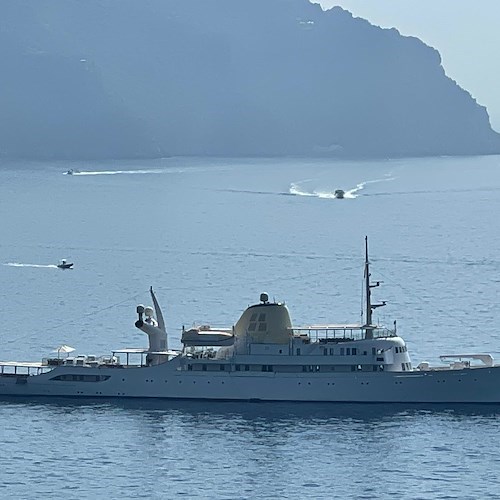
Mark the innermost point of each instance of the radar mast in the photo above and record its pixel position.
(369, 327)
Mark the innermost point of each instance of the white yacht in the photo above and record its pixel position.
(263, 357)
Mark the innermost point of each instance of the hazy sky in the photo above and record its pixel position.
(465, 33)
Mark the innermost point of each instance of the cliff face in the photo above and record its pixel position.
(122, 78)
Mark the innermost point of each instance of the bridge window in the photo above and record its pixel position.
(262, 317)
(262, 327)
(252, 327)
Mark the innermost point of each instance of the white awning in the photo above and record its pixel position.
(64, 349)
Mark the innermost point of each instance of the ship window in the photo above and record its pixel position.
(325, 351)
(247, 368)
(342, 351)
(298, 351)
(252, 327)
(348, 351)
(365, 353)
(190, 367)
(331, 351)
(204, 368)
(375, 368)
(81, 378)
(262, 317)
(237, 368)
(262, 327)
(354, 351)
(374, 351)
(253, 317)
(222, 368)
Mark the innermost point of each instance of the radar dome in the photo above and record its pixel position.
(264, 297)
(148, 311)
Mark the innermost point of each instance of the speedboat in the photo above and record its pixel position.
(71, 171)
(64, 264)
(263, 357)
(339, 194)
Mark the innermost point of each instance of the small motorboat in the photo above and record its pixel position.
(339, 194)
(71, 172)
(64, 264)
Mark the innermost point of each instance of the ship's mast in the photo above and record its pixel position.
(367, 286)
(369, 327)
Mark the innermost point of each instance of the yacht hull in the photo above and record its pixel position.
(472, 385)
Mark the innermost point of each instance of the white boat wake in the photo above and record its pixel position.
(17, 264)
(117, 172)
(297, 190)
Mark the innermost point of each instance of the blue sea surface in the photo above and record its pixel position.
(209, 235)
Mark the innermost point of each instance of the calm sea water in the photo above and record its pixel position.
(209, 236)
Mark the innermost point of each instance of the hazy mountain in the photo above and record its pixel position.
(124, 78)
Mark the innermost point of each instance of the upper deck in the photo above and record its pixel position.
(341, 332)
